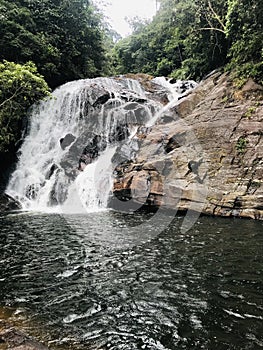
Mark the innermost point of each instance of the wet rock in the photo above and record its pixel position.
(182, 86)
(52, 169)
(67, 141)
(32, 190)
(102, 98)
(154, 91)
(209, 157)
(120, 133)
(97, 95)
(7, 203)
(95, 145)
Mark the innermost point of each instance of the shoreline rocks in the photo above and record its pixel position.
(7, 203)
(14, 339)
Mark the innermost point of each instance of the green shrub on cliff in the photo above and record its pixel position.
(20, 87)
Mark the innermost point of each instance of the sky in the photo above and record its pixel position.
(117, 10)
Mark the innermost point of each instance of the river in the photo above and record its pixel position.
(79, 285)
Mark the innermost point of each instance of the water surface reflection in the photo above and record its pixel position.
(199, 290)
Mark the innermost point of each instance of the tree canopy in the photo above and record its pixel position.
(190, 38)
(63, 38)
(20, 87)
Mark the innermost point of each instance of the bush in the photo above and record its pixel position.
(20, 87)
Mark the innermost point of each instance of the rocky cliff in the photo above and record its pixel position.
(204, 153)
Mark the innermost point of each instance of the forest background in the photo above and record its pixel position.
(46, 43)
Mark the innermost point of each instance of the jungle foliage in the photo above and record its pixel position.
(20, 87)
(44, 43)
(190, 38)
(65, 39)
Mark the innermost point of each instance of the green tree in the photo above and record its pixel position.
(177, 42)
(190, 38)
(63, 38)
(20, 87)
(244, 28)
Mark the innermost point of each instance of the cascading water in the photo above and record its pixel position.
(176, 91)
(80, 123)
(89, 192)
(65, 160)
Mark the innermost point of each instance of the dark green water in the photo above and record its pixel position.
(199, 290)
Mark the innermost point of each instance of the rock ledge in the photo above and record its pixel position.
(209, 158)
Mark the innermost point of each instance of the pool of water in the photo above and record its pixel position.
(117, 281)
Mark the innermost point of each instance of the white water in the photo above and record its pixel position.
(71, 110)
(89, 192)
(176, 91)
(49, 177)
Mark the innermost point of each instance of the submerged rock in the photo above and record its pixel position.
(209, 158)
(7, 203)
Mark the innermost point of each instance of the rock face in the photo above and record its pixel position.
(208, 157)
(7, 203)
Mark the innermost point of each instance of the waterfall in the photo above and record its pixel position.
(89, 192)
(175, 91)
(71, 136)
(65, 162)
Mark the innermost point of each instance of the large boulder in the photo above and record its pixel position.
(211, 154)
(7, 203)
